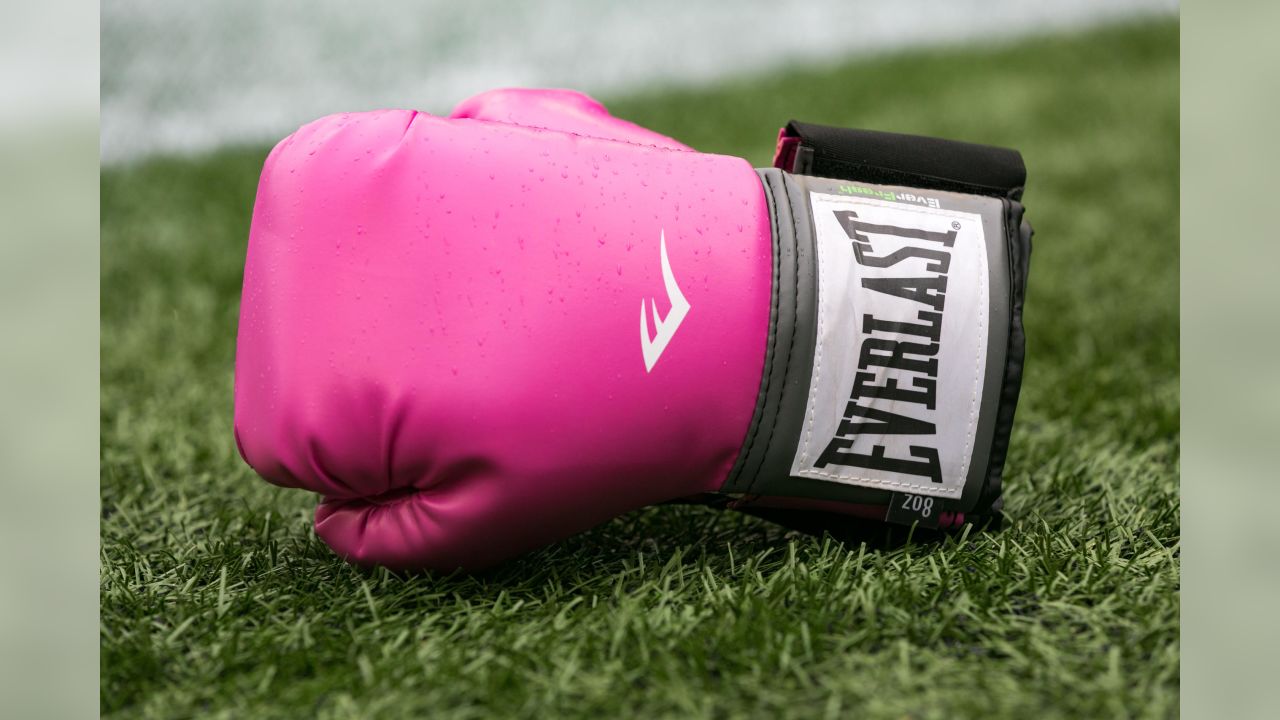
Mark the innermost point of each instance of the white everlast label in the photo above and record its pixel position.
(901, 346)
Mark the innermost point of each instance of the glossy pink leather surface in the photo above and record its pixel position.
(439, 330)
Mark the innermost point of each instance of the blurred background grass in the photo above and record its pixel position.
(186, 77)
(217, 598)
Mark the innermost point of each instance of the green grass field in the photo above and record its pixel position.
(218, 600)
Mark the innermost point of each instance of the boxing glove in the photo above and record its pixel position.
(438, 327)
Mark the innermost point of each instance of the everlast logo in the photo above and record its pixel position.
(897, 361)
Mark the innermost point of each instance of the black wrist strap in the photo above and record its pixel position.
(895, 159)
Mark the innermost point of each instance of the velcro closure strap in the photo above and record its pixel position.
(896, 159)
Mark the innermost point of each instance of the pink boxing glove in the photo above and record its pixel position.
(438, 328)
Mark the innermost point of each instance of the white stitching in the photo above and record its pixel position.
(817, 362)
(843, 480)
(985, 295)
